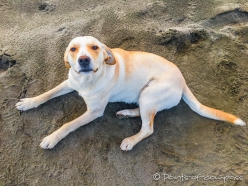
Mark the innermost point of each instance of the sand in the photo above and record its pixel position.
(207, 40)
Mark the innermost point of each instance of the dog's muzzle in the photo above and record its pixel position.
(84, 63)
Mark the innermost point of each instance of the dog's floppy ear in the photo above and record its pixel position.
(67, 64)
(108, 56)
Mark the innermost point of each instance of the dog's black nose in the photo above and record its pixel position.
(84, 61)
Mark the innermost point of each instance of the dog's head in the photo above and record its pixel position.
(87, 54)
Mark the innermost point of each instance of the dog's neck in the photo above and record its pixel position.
(82, 78)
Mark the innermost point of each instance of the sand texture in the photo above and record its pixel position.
(207, 40)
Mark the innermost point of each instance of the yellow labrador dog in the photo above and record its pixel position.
(101, 75)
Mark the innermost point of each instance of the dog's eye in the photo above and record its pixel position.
(95, 47)
(73, 49)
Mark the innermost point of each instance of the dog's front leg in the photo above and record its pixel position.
(51, 140)
(28, 103)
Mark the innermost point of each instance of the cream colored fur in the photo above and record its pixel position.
(124, 76)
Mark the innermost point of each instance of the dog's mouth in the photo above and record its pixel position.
(87, 70)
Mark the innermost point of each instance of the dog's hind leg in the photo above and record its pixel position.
(163, 92)
(147, 117)
(128, 113)
(147, 110)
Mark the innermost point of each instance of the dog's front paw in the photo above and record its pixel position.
(27, 103)
(128, 144)
(50, 141)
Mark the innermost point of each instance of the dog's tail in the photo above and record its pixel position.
(208, 112)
